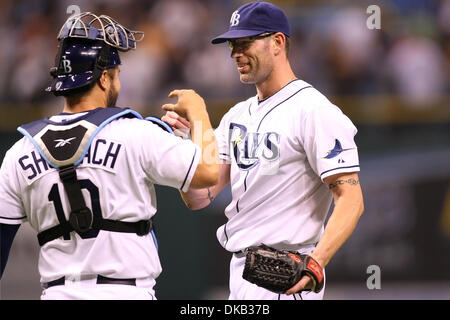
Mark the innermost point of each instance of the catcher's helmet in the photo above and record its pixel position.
(86, 50)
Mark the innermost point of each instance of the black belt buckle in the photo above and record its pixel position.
(68, 173)
(144, 227)
(81, 220)
(105, 280)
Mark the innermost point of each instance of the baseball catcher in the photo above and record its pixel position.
(84, 178)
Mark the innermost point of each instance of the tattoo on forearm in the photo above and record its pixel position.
(210, 197)
(338, 182)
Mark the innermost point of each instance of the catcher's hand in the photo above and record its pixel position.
(180, 125)
(279, 270)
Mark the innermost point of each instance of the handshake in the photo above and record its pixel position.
(189, 108)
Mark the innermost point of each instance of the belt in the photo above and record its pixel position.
(100, 280)
(306, 249)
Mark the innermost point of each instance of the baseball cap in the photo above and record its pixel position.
(255, 18)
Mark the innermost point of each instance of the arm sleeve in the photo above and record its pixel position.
(329, 141)
(7, 234)
(11, 208)
(167, 159)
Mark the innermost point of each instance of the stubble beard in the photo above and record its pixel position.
(113, 94)
(258, 73)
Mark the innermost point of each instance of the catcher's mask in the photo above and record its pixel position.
(88, 44)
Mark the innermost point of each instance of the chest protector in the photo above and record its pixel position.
(63, 145)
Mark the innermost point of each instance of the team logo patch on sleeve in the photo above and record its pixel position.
(337, 150)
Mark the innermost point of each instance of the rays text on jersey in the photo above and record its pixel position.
(249, 148)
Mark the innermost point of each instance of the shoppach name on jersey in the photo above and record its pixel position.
(101, 153)
(250, 149)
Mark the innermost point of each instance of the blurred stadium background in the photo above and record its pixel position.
(394, 83)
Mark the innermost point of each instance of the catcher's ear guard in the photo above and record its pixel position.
(79, 63)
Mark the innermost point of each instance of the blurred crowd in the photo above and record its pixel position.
(332, 48)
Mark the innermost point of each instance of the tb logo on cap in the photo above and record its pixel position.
(234, 21)
(66, 65)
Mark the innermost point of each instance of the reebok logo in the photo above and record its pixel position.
(63, 142)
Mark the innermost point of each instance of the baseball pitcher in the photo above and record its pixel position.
(287, 153)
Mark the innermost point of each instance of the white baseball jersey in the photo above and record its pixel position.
(117, 177)
(280, 151)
